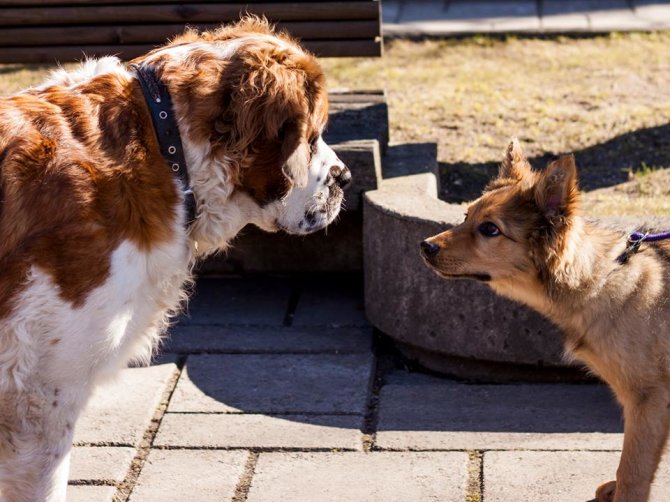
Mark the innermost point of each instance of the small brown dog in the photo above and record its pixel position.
(525, 238)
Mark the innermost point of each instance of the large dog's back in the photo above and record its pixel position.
(79, 173)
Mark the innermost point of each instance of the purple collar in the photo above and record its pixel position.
(641, 237)
(636, 239)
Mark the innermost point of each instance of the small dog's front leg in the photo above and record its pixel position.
(646, 423)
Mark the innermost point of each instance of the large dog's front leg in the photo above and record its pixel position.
(647, 419)
(34, 462)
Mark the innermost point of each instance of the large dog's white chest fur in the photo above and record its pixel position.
(119, 321)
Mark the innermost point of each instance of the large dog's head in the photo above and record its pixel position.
(517, 233)
(252, 105)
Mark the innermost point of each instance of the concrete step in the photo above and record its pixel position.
(411, 165)
(358, 116)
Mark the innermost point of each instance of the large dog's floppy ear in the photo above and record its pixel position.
(514, 165)
(267, 105)
(263, 100)
(556, 192)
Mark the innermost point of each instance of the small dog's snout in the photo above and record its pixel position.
(341, 175)
(429, 249)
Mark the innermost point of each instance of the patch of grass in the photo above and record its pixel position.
(645, 170)
(14, 78)
(646, 193)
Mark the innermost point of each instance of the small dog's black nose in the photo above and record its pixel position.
(429, 249)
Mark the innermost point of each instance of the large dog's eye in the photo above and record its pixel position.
(488, 229)
(313, 144)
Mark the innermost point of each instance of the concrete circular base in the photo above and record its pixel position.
(456, 327)
(480, 371)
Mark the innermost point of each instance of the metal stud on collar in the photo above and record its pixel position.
(159, 103)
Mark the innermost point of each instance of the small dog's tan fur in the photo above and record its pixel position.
(615, 313)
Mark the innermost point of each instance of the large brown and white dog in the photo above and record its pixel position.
(95, 246)
(525, 238)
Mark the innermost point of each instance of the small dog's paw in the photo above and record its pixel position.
(605, 492)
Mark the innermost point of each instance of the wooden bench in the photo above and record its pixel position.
(45, 31)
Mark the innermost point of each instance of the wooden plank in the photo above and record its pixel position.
(363, 96)
(158, 34)
(344, 48)
(182, 13)
(64, 54)
(53, 54)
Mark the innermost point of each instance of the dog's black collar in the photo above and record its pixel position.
(159, 103)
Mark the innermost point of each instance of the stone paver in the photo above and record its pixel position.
(566, 15)
(372, 477)
(521, 24)
(430, 18)
(390, 11)
(542, 476)
(492, 11)
(305, 413)
(653, 11)
(273, 384)
(332, 303)
(617, 17)
(416, 414)
(120, 411)
(248, 301)
(260, 431)
(266, 339)
(186, 475)
(437, 18)
(100, 463)
(89, 493)
(421, 10)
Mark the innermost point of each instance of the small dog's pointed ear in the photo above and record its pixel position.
(556, 192)
(514, 165)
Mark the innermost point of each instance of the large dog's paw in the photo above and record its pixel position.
(605, 492)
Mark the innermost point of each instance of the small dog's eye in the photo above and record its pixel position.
(488, 229)
(466, 217)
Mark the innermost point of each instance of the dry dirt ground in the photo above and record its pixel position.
(606, 98)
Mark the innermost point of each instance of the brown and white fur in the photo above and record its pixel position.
(526, 239)
(94, 246)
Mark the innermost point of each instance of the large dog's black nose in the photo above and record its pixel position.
(429, 249)
(341, 175)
